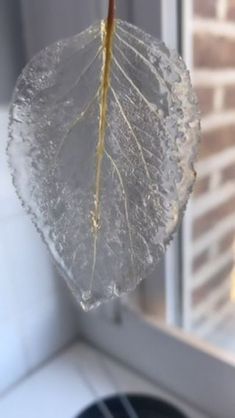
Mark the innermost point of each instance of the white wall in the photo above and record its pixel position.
(37, 315)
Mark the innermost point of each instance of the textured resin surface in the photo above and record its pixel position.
(146, 173)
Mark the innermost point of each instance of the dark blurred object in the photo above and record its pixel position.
(12, 57)
(143, 407)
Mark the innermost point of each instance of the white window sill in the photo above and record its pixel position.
(70, 382)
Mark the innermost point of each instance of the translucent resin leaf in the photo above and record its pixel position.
(106, 209)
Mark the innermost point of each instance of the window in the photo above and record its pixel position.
(209, 245)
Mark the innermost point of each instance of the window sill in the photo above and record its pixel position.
(73, 380)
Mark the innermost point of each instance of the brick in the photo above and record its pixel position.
(205, 99)
(228, 174)
(212, 51)
(200, 260)
(216, 141)
(201, 186)
(218, 306)
(229, 97)
(202, 292)
(209, 220)
(222, 302)
(227, 242)
(231, 10)
(205, 8)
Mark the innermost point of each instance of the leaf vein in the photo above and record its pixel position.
(139, 41)
(133, 84)
(70, 129)
(146, 62)
(125, 204)
(132, 132)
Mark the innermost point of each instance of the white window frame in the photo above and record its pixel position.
(173, 272)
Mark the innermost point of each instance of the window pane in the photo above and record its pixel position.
(209, 249)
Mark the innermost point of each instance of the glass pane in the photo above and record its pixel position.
(209, 247)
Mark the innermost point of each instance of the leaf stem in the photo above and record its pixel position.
(108, 32)
(111, 12)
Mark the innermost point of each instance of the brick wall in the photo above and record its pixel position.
(213, 205)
